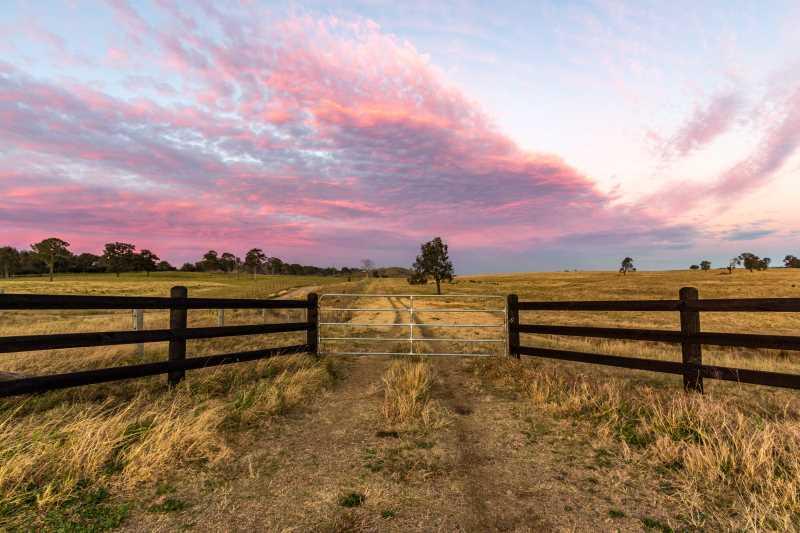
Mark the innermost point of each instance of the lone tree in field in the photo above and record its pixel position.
(789, 261)
(254, 260)
(705, 265)
(50, 250)
(9, 260)
(368, 265)
(119, 257)
(627, 266)
(433, 262)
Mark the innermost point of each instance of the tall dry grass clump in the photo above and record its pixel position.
(407, 389)
(60, 446)
(730, 467)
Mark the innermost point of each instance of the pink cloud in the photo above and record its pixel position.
(705, 125)
(302, 133)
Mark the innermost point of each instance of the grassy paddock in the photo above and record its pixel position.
(93, 455)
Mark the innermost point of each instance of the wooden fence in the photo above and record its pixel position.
(178, 333)
(690, 336)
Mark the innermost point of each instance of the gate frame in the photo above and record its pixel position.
(410, 310)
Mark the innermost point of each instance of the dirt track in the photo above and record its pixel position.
(495, 466)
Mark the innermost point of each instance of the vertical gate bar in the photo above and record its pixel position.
(220, 317)
(691, 352)
(177, 346)
(411, 326)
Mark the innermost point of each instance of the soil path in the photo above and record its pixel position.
(493, 464)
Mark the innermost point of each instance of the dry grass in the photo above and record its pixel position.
(58, 446)
(729, 466)
(407, 396)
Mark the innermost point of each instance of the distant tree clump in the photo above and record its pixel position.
(49, 251)
(9, 260)
(434, 262)
(210, 262)
(627, 266)
(705, 265)
(752, 262)
(368, 265)
(227, 262)
(791, 261)
(694, 267)
(146, 261)
(119, 257)
(164, 266)
(254, 260)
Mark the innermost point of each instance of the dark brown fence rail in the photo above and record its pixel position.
(177, 363)
(690, 337)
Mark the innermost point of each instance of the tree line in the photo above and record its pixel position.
(53, 255)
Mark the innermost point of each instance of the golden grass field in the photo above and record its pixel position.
(381, 443)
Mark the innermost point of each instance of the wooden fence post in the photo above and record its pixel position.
(177, 346)
(138, 325)
(512, 318)
(692, 354)
(312, 317)
(220, 317)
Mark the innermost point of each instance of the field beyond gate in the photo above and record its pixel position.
(407, 324)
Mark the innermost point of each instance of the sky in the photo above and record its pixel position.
(530, 136)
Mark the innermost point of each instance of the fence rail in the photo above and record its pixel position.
(688, 305)
(178, 333)
(690, 337)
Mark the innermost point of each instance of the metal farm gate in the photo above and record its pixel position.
(413, 324)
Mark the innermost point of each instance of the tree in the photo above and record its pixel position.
(9, 260)
(626, 266)
(275, 265)
(119, 257)
(227, 261)
(733, 263)
(164, 266)
(368, 265)
(764, 263)
(87, 262)
(210, 262)
(147, 261)
(705, 265)
(791, 261)
(254, 260)
(49, 250)
(188, 267)
(749, 261)
(434, 262)
(694, 267)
